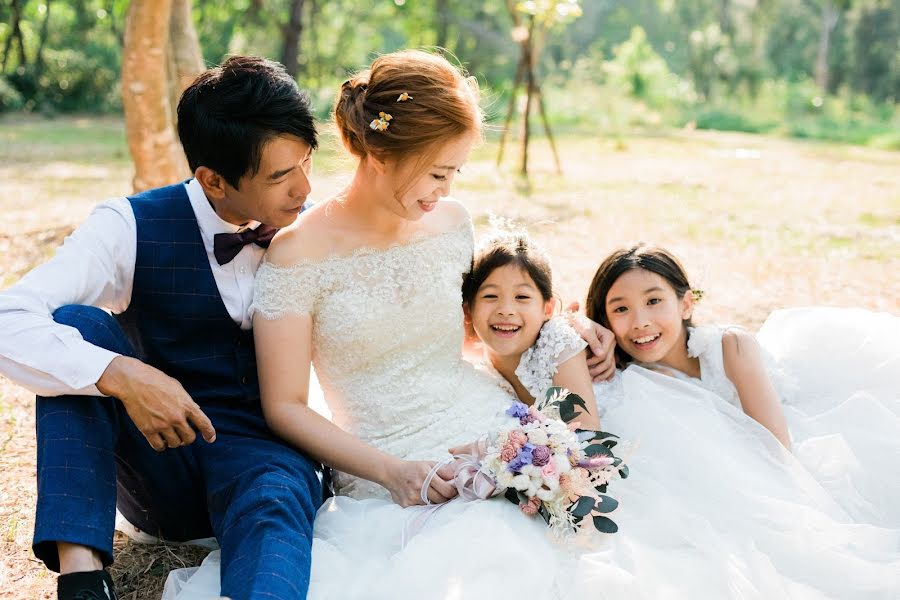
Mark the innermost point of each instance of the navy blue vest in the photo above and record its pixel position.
(183, 328)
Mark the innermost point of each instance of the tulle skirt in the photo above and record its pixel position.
(714, 506)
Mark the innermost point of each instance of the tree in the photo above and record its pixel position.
(160, 57)
(531, 22)
(830, 12)
(291, 32)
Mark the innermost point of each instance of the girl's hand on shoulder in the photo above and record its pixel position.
(601, 360)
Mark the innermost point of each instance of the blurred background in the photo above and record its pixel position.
(821, 69)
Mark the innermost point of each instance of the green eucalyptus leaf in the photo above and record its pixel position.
(606, 504)
(605, 524)
(583, 507)
(597, 450)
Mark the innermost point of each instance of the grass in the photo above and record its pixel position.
(760, 222)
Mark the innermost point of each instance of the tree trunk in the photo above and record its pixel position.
(45, 26)
(528, 49)
(443, 22)
(15, 33)
(829, 20)
(291, 35)
(152, 141)
(185, 57)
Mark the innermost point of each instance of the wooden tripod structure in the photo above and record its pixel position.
(526, 77)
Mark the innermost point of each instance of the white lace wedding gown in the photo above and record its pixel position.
(694, 522)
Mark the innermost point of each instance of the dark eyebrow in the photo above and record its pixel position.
(280, 174)
(283, 172)
(647, 291)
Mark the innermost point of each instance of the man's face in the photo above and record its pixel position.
(275, 194)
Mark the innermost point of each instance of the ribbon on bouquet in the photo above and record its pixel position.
(470, 481)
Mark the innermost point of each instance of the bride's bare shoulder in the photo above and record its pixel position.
(451, 214)
(309, 238)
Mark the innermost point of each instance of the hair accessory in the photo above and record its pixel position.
(404, 97)
(697, 294)
(381, 123)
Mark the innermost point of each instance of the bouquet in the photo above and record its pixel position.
(549, 467)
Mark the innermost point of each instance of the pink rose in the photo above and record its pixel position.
(549, 470)
(508, 452)
(518, 438)
(531, 507)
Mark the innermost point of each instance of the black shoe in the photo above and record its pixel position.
(87, 585)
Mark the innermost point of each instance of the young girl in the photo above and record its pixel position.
(642, 294)
(835, 370)
(508, 300)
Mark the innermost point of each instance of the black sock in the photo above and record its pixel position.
(85, 585)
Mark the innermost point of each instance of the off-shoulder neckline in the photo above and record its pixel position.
(417, 239)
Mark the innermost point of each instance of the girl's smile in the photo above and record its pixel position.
(647, 317)
(508, 312)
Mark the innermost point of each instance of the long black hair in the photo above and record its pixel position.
(642, 256)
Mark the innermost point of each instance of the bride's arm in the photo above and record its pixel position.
(574, 376)
(283, 352)
(745, 368)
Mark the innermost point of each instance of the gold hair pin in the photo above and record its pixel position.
(381, 123)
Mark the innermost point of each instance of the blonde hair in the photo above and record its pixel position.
(443, 105)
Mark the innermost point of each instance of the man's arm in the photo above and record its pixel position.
(94, 267)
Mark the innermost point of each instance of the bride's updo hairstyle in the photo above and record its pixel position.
(508, 248)
(642, 256)
(439, 103)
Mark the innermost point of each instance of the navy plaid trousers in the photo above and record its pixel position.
(257, 495)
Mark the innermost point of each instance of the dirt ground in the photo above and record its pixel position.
(761, 223)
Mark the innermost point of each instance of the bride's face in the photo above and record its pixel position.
(431, 185)
(508, 311)
(646, 315)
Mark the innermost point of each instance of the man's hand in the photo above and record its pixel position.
(158, 405)
(601, 342)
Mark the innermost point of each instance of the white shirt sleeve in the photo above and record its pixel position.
(94, 266)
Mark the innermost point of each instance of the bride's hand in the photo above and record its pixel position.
(404, 480)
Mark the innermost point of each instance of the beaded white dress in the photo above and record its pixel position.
(387, 337)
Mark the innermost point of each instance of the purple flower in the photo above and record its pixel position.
(523, 458)
(540, 456)
(517, 410)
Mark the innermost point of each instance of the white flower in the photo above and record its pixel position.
(505, 479)
(531, 471)
(538, 437)
(521, 482)
(562, 463)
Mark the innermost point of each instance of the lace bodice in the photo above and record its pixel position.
(387, 338)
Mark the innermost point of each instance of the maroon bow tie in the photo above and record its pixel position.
(227, 245)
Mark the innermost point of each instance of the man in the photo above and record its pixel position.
(121, 398)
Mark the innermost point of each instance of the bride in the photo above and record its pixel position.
(366, 286)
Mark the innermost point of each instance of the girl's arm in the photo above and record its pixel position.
(283, 351)
(573, 375)
(744, 367)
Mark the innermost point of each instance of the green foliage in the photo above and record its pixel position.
(640, 72)
(10, 98)
(615, 66)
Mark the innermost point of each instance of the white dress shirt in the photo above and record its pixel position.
(95, 266)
